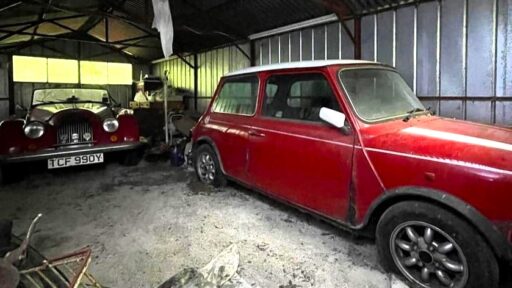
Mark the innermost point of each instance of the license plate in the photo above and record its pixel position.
(75, 160)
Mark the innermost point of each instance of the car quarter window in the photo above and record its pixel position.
(237, 96)
(298, 96)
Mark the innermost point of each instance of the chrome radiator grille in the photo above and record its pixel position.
(74, 133)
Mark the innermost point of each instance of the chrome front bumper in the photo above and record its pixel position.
(65, 152)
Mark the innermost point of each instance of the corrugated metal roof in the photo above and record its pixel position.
(199, 24)
(371, 6)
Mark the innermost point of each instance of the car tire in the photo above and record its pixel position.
(2, 176)
(10, 174)
(132, 158)
(422, 241)
(207, 166)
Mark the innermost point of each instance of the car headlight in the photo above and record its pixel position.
(110, 125)
(34, 130)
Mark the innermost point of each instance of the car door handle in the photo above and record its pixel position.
(256, 133)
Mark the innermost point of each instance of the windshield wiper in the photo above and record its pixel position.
(415, 110)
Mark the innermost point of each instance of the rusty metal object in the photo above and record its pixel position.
(66, 271)
(17, 255)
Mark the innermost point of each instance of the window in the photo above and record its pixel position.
(62, 71)
(29, 69)
(298, 97)
(238, 96)
(378, 94)
(52, 70)
(93, 72)
(120, 73)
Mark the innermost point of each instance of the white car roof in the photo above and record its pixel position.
(301, 64)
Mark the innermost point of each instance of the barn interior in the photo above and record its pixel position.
(146, 218)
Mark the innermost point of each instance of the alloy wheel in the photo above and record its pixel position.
(428, 256)
(206, 168)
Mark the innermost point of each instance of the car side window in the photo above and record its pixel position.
(299, 96)
(237, 96)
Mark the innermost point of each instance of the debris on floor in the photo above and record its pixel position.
(149, 222)
(23, 266)
(221, 272)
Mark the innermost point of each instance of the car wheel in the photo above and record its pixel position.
(10, 174)
(432, 247)
(132, 158)
(207, 166)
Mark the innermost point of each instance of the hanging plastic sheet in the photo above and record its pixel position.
(163, 23)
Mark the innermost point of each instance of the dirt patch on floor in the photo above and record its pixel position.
(148, 222)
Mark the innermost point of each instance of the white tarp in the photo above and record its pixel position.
(163, 23)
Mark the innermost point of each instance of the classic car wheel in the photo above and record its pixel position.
(432, 247)
(207, 167)
(10, 174)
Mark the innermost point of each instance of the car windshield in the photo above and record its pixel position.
(379, 94)
(46, 96)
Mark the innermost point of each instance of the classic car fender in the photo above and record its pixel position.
(494, 237)
(14, 141)
(11, 135)
(128, 127)
(209, 141)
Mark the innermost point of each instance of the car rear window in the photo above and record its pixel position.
(237, 96)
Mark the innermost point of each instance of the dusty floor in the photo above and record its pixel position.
(146, 223)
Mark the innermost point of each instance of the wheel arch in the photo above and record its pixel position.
(487, 230)
(205, 140)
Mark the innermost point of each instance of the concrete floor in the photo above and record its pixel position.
(148, 222)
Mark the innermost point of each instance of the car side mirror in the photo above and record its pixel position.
(335, 118)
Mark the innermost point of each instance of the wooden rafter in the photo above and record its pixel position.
(70, 36)
(344, 12)
(9, 6)
(119, 14)
(9, 33)
(227, 30)
(35, 22)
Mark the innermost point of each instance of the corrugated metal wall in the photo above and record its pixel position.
(453, 53)
(329, 41)
(212, 65)
(4, 87)
(75, 50)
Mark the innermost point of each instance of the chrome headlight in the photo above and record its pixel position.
(110, 125)
(34, 130)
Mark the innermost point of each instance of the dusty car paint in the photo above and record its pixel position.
(348, 177)
(16, 146)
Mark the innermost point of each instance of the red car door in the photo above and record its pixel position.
(232, 109)
(295, 156)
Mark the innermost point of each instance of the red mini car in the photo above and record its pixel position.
(350, 142)
(68, 127)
